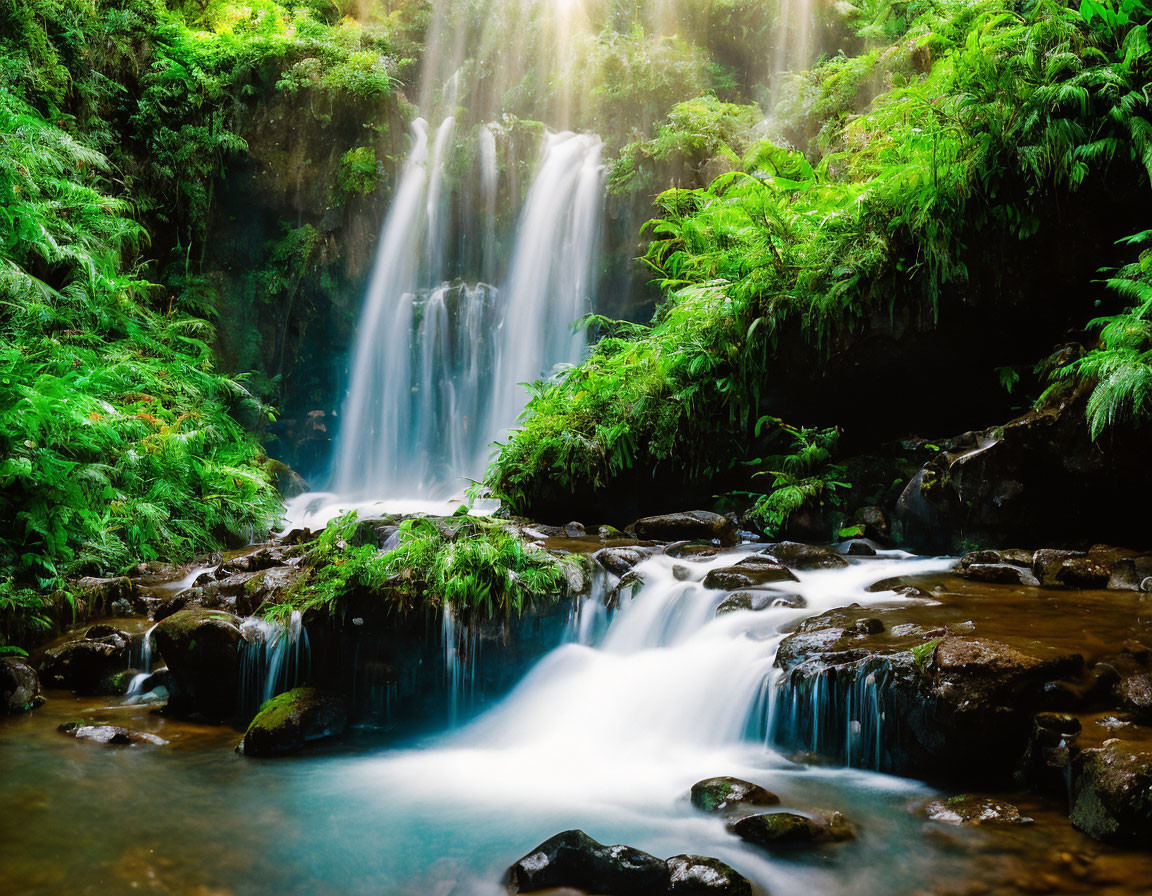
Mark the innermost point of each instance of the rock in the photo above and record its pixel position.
(692, 550)
(1000, 574)
(787, 830)
(86, 664)
(111, 734)
(618, 560)
(19, 687)
(574, 530)
(1136, 695)
(700, 876)
(1083, 572)
(759, 600)
(859, 549)
(967, 809)
(573, 859)
(748, 573)
(607, 533)
(287, 723)
(97, 595)
(201, 648)
(266, 587)
(869, 626)
(1128, 573)
(693, 525)
(1111, 794)
(874, 522)
(1046, 564)
(1048, 756)
(725, 794)
(108, 634)
(979, 558)
(805, 557)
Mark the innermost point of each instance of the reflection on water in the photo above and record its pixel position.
(606, 737)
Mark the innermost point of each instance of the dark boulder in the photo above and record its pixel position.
(749, 573)
(691, 550)
(1048, 757)
(111, 734)
(573, 859)
(1111, 794)
(1000, 574)
(86, 665)
(805, 557)
(726, 794)
(201, 648)
(874, 523)
(95, 596)
(1047, 562)
(1083, 572)
(859, 549)
(759, 600)
(691, 525)
(19, 687)
(1136, 695)
(701, 876)
(788, 830)
(1130, 573)
(619, 561)
(967, 809)
(287, 723)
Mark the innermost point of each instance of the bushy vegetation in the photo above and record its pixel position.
(477, 566)
(120, 440)
(1015, 105)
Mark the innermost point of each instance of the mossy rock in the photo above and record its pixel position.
(725, 794)
(287, 723)
(201, 648)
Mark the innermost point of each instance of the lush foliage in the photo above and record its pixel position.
(475, 565)
(119, 439)
(1015, 105)
(1119, 368)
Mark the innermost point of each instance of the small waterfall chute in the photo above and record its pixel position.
(274, 658)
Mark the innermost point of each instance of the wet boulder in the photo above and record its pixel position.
(573, 859)
(86, 664)
(1047, 563)
(968, 809)
(201, 648)
(999, 574)
(267, 586)
(1136, 695)
(750, 572)
(702, 876)
(1111, 794)
(113, 735)
(624, 591)
(726, 794)
(1083, 572)
(619, 561)
(789, 830)
(289, 722)
(874, 522)
(691, 525)
(859, 549)
(19, 687)
(1048, 756)
(1131, 574)
(805, 557)
(95, 596)
(691, 550)
(754, 599)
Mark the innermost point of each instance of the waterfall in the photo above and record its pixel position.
(665, 694)
(452, 323)
(274, 658)
(136, 685)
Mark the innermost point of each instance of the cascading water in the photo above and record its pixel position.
(274, 658)
(608, 732)
(449, 332)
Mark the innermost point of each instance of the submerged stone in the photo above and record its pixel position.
(726, 793)
(788, 830)
(702, 876)
(289, 722)
(573, 859)
(111, 734)
(967, 809)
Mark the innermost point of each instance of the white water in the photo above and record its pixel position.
(273, 659)
(609, 735)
